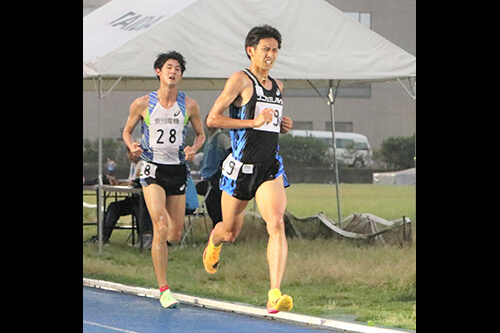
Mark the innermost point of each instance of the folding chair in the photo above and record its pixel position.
(192, 191)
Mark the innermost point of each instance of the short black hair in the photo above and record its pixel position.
(163, 57)
(257, 33)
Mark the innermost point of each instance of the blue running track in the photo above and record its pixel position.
(110, 312)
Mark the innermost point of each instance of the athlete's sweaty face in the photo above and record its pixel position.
(170, 73)
(265, 54)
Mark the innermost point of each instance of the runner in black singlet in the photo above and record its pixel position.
(255, 156)
(254, 168)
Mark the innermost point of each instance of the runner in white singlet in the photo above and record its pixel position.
(165, 114)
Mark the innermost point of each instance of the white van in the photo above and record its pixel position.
(352, 148)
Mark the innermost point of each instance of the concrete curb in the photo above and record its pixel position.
(239, 308)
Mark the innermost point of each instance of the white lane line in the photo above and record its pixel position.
(108, 327)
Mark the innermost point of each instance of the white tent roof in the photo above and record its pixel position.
(403, 177)
(123, 38)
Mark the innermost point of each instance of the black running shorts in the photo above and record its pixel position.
(172, 178)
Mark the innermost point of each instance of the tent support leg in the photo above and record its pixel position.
(100, 204)
(100, 210)
(410, 91)
(331, 102)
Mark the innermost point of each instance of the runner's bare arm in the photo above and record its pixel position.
(238, 89)
(135, 115)
(195, 119)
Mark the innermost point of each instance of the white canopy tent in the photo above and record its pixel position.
(320, 45)
(403, 177)
(122, 38)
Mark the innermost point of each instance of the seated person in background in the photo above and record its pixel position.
(217, 147)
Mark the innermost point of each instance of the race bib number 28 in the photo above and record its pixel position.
(169, 137)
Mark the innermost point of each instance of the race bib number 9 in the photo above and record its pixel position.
(275, 124)
(231, 167)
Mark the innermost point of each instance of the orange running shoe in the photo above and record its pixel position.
(211, 256)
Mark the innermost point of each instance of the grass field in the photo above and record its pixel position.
(332, 279)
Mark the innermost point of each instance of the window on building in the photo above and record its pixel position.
(303, 125)
(360, 90)
(340, 126)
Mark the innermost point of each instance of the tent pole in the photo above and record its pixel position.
(112, 87)
(100, 97)
(100, 217)
(331, 101)
(410, 91)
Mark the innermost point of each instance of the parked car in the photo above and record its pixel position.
(352, 148)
